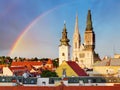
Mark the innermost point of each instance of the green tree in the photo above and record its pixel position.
(47, 73)
(35, 59)
(3, 60)
(56, 62)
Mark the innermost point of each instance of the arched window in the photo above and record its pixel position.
(76, 59)
(75, 45)
(63, 54)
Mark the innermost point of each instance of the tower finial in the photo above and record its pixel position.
(64, 25)
(89, 21)
(64, 40)
(64, 22)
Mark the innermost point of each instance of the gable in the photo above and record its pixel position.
(69, 71)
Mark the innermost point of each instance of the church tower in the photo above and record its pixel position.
(64, 47)
(89, 37)
(76, 41)
(89, 42)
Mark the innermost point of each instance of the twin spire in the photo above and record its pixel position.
(64, 40)
(88, 22)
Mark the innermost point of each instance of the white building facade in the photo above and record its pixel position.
(64, 47)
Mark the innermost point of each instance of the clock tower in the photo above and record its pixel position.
(64, 47)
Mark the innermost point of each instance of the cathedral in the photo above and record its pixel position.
(82, 53)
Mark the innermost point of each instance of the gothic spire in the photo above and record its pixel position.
(76, 25)
(89, 21)
(64, 40)
(76, 35)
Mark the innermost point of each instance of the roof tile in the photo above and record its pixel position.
(77, 68)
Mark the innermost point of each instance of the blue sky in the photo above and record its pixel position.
(42, 39)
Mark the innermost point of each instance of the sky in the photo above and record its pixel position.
(33, 28)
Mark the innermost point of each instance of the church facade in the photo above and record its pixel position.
(64, 47)
(82, 53)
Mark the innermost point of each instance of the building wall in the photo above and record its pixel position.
(69, 71)
(85, 58)
(43, 81)
(107, 70)
(116, 55)
(64, 53)
(7, 71)
(88, 59)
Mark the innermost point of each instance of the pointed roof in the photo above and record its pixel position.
(76, 31)
(77, 68)
(64, 40)
(76, 25)
(89, 21)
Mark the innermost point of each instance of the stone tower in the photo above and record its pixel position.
(84, 54)
(64, 47)
(76, 40)
(89, 37)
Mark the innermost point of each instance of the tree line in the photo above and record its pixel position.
(8, 60)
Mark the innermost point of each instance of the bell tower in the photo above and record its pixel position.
(89, 37)
(64, 47)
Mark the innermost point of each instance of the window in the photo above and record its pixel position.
(43, 83)
(81, 55)
(63, 54)
(75, 45)
(76, 59)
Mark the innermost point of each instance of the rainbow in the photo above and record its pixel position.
(19, 38)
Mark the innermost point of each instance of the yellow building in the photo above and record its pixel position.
(107, 67)
(116, 55)
(70, 68)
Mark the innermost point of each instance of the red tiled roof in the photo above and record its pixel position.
(17, 64)
(77, 68)
(26, 63)
(18, 68)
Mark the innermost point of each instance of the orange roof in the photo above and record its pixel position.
(49, 62)
(17, 68)
(77, 68)
(26, 63)
(2, 65)
(19, 63)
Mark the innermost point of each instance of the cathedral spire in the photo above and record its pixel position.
(76, 40)
(64, 40)
(89, 21)
(76, 35)
(76, 25)
(89, 38)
